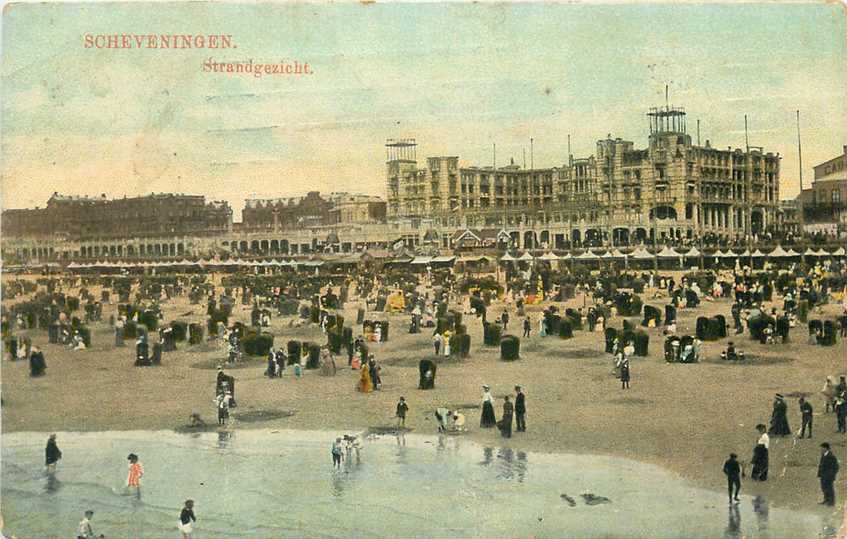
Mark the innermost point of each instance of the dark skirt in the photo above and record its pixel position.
(625, 374)
(505, 425)
(760, 464)
(779, 425)
(488, 420)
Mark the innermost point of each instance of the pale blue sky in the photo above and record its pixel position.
(458, 77)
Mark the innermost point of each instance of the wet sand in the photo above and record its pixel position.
(686, 418)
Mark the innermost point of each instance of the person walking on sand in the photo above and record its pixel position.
(827, 470)
(187, 519)
(732, 470)
(527, 328)
(806, 414)
(402, 408)
(84, 530)
(52, 454)
(520, 409)
(436, 342)
(133, 478)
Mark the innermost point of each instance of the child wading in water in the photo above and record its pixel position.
(133, 478)
(402, 408)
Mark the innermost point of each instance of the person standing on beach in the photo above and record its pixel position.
(827, 470)
(520, 409)
(133, 478)
(527, 328)
(779, 417)
(806, 413)
(187, 519)
(488, 419)
(52, 454)
(760, 455)
(732, 470)
(505, 423)
(402, 408)
(436, 342)
(625, 372)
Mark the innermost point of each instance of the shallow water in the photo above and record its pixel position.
(278, 484)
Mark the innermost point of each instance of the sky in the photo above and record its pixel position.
(458, 78)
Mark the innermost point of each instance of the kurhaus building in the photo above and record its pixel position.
(623, 195)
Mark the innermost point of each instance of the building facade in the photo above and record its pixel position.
(621, 195)
(825, 202)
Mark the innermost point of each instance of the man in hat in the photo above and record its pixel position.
(520, 410)
(779, 417)
(827, 470)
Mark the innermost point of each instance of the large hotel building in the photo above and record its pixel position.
(622, 195)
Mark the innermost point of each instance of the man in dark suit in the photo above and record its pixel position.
(827, 470)
(520, 410)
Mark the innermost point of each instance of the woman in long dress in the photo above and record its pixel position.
(779, 418)
(487, 420)
(446, 346)
(365, 385)
(542, 327)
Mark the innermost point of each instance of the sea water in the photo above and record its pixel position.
(279, 484)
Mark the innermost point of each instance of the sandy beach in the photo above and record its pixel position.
(685, 417)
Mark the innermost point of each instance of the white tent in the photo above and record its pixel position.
(587, 255)
(727, 254)
(607, 254)
(616, 253)
(526, 257)
(668, 252)
(779, 252)
(443, 259)
(548, 256)
(792, 252)
(641, 254)
(821, 252)
(839, 252)
(693, 253)
(745, 254)
(507, 258)
(810, 252)
(758, 253)
(566, 256)
(421, 260)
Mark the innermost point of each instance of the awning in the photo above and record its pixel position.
(526, 257)
(821, 252)
(693, 253)
(839, 252)
(641, 254)
(443, 259)
(508, 258)
(778, 252)
(728, 254)
(312, 263)
(587, 255)
(758, 253)
(792, 252)
(548, 256)
(668, 252)
(810, 252)
(421, 260)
